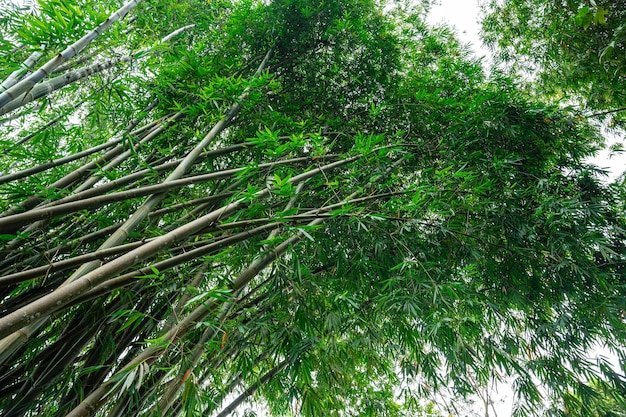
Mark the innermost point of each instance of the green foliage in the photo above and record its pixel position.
(575, 48)
(369, 220)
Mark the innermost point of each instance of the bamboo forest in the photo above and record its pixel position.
(309, 208)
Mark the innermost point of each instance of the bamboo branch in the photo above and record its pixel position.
(212, 199)
(146, 137)
(604, 113)
(57, 250)
(64, 264)
(173, 261)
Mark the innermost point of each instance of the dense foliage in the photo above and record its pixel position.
(326, 208)
(575, 48)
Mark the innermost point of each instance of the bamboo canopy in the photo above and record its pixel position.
(303, 205)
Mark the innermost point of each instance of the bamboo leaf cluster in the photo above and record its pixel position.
(318, 208)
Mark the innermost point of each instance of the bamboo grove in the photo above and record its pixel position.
(324, 208)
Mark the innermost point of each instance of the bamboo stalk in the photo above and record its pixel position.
(57, 250)
(82, 193)
(18, 74)
(146, 137)
(61, 116)
(212, 199)
(56, 83)
(29, 82)
(95, 400)
(9, 223)
(42, 89)
(58, 162)
(64, 264)
(201, 208)
(66, 180)
(65, 294)
(174, 386)
(165, 39)
(186, 256)
(191, 251)
(61, 161)
(79, 60)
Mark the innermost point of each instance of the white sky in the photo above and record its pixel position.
(463, 15)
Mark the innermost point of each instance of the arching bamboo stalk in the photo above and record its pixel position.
(145, 137)
(18, 74)
(187, 256)
(16, 220)
(29, 82)
(64, 295)
(84, 192)
(149, 355)
(45, 88)
(57, 250)
(68, 179)
(58, 162)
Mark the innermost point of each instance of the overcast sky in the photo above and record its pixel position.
(463, 15)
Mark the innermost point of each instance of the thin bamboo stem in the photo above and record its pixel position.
(253, 388)
(67, 179)
(14, 261)
(173, 261)
(58, 162)
(212, 199)
(64, 264)
(145, 138)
